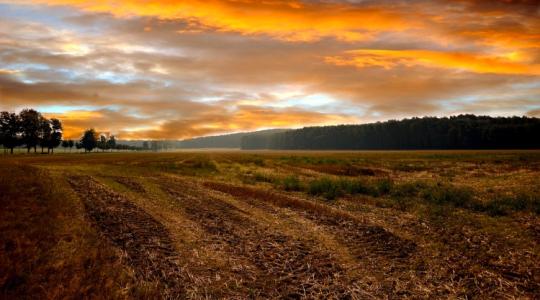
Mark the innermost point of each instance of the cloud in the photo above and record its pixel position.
(438, 59)
(198, 124)
(172, 69)
(305, 21)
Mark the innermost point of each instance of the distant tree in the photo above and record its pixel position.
(71, 143)
(456, 132)
(56, 136)
(111, 143)
(78, 145)
(44, 134)
(65, 144)
(145, 145)
(31, 122)
(89, 140)
(102, 143)
(2, 138)
(10, 127)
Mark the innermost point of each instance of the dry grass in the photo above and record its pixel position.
(460, 224)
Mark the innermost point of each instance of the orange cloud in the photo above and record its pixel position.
(288, 20)
(204, 123)
(508, 64)
(245, 118)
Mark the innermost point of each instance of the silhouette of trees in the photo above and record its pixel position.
(111, 143)
(458, 132)
(33, 128)
(89, 140)
(102, 143)
(29, 128)
(44, 134)
(65, 144)
(56, 135)
(10, 130)
(71, 143)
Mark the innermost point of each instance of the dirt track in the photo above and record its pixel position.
(273, 264)
(145, 242)
(263, 261)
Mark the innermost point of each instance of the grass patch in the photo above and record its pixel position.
(291, 183)
(506, 204)
(326, 187)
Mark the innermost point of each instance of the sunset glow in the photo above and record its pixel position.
(178, 69)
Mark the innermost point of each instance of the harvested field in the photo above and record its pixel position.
(366, 225)
(146, 243)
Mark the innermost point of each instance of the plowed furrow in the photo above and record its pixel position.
(130, 183)
(277, 265)
(373, 239)
(380, 253)
(145, 241)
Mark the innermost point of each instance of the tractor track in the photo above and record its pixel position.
(146, 242)
(273, 264)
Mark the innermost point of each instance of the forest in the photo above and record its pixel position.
(456, 132)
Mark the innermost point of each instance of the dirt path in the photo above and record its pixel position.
(384, 258)
(269, 263)
(145, 242)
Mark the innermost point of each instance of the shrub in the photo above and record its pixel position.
(503, 205)
(442, 193)
(325, 187)
(408, 189)
(383, 186)
(291, 183)
(356, 187)
(262, 177)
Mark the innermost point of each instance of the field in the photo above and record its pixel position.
(347, 225)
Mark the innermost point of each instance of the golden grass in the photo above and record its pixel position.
(451, 224)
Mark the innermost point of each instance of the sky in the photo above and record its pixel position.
(170, 69)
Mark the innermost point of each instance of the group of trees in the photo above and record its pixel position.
(91, 140)
(30, 129)
(457, 132)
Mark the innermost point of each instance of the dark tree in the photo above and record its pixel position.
(71, 143)
(56, 136)
(10, 127)
(102, 143)
(44, 134)
(89, 140)
(111, 143)
(65, 144)
(458, 132)
(31, 122)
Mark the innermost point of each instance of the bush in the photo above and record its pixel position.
(356, 187)
(383, 186)
(291, 183)
(441, 193)
(325, 187)
(262, 177)
(503, 205)
(408, 189)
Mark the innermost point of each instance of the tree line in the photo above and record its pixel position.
(30, 129)
(91, 140)
(456, 132)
